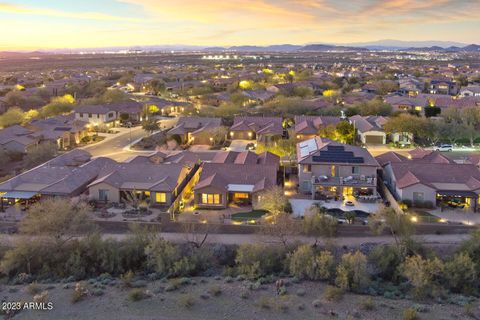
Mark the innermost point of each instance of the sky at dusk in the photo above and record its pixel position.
(45, 24)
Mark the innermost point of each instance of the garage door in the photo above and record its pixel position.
(373, 139)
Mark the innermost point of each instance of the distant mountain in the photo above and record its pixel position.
(469, 48)
(390, 44)
(328, 47)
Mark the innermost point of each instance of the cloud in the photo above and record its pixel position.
(16, 9)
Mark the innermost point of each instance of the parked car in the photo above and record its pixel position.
(444, 147)
(349, 203)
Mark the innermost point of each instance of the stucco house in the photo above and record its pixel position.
(329, 169)
(262, 129)
(429, 179)
(235, 177)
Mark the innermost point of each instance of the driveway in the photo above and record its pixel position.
(239, 145)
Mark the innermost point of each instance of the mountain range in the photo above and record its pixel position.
(390, 45)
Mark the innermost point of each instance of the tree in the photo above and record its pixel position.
(280, 227)
(11, 117)
(58, 105)
(399, 226)
(273, 200)
(40, 154)
(345, 132)
(150, 126)
(58, 219)
(318, 225)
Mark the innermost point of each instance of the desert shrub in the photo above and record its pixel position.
(385, 260)
(215, 290)
(410, 314)
(80, 292)
(137, 294)
(127, 279)
(367, 304)
(460, 273)
(162, 256)
(41, 297)
(186, 300)
(97, 292)
(352, 272)
(257, 260)
(304, 262)
(472, 248)
(244, 294)
(265, 302)
(332, 293)
(33, 288)
(423, 274)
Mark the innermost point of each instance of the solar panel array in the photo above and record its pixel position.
(337, 154)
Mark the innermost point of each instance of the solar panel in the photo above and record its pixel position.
(337, 154)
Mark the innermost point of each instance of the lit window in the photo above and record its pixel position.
(161, 197)
(210, 198)
(240, 195)
(333, 170)
(307, 168)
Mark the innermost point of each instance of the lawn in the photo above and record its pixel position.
(251, 215)
(423, 216)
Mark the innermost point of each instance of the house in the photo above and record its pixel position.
(97, 116)
(17, 139)
(263, 129)
(430, 180)
(410, 86)
(235, 177)
(470, 91)
(407, 104)
(64, 131)
(370, 129)
(194, 130)
(156, 185)
(64, 176)
(168, 107)
(307, 127)
(443, 87)
(258, 96)
(329, 169)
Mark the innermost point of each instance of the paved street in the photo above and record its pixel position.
(114, 145)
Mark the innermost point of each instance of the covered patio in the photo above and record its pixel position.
(466, 200)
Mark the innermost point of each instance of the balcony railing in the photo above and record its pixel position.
(353, 180)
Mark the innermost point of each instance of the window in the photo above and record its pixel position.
(355, 170)
(103, 195)
(418, 196)
(210, 198)
(160, 197)
(89, 115)
(81, 115)
(307, 168)
(110, 115)
(241, 195)
(333, 170)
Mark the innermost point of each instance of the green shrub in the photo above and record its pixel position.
(305, 263)
(186, 300)
(137, 294)
(367, 304)
(257, 260)
(332, 293)
(127, 279)
(386, 260)
(265, 302)
(410, 314)
(423, 274)
(460, 274)
(352, 272)
(215, 290)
